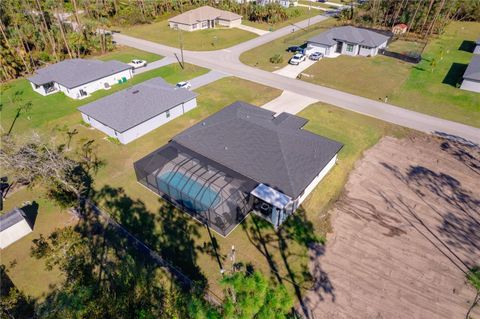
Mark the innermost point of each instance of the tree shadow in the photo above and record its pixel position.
(467, 46)
(454, 229)
(14, 303)
(467, 154)
(281, 251)
(455, 74)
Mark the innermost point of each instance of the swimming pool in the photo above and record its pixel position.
(190, 193)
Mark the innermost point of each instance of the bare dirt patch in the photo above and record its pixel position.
(404, 234)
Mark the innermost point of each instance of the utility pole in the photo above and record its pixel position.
(180, 40)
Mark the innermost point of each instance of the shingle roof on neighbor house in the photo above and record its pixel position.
(473, 70)
(75, 72)
(130, 107)
(350, 34)
(202, 14)
(11, 218)
(270, 150)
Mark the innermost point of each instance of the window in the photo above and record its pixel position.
(204, 24)
(167, 114)
(116, 134)
(349, 47)
(194, 26)
(364, 47)
(175, 26)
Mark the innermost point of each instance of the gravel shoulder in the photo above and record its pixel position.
(404, 232)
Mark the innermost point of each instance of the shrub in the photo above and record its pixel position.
(276, 59)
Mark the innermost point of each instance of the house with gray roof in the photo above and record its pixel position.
(347, 40)
(13, 226)
(240, 159)
(471, 77)
(78, 78)
(477, 47)
(205, 17)
(133, 112)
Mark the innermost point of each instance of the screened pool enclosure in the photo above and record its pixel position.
(208, 191)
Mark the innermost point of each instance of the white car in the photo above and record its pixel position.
(184, 85)
(297, 59)
(138, 63)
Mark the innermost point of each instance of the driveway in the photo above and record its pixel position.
(156, 64)
(292, 71)
(252, 29)
(289, 102)
(227, 61)
(312, 7)
(207, 78)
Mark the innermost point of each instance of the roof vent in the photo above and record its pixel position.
(226, 148)
(135, 92)
(203, 123)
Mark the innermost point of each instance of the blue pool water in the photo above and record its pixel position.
(190, 193)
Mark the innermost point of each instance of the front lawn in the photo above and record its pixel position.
(296, 14)
(45, 109)
(201, 40)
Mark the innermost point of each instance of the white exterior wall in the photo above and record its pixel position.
(366, 51)
(230, 24)
(354, 51)
(316, 181)
(471, 85)
(142, 128)
(14, 233)
(91, 87)
(315, 47)
(181, 26)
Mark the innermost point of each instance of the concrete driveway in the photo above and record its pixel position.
(205, 79)
(292, 71)
(289, 102)
(252, 29)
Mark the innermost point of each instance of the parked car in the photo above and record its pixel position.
(295, 49)
(297, 59)
(138, 63)
(184, 85)
(315, 56)
(322, 1)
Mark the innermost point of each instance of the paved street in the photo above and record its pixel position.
(227, 61)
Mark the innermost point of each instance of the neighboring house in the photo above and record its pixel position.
(78, 78)
(471, 77)
(347, 40)
(133, 112)
(13, 226)
(477, 47)
(238, 160)
(204, 17)
(400, 28)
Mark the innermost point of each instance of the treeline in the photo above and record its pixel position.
(36, 32)
(423, 17)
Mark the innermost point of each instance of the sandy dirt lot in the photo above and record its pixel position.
(404, 232)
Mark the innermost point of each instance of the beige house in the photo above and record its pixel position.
(205, 17)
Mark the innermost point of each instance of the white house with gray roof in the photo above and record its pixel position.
(205, 17)
(476, 50)
(78, 78)
(471, 77)
(133, 112)
(13, 226)
(240, 159)
(347, 40)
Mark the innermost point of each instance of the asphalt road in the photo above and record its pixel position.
(227, 61)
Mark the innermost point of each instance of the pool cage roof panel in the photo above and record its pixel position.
(208, 191)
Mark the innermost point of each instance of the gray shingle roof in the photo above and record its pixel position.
(11, 218)
(202, 14)
(130, 107)
(473, 70)
(75, 72)
(272, 151)
(350, 34)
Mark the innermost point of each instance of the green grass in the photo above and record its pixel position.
(49, 108)
(201, 40)
(127, 54)
(434, 91)
(26, 272)
(260, 56)
(304, 14)
(417, 87)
